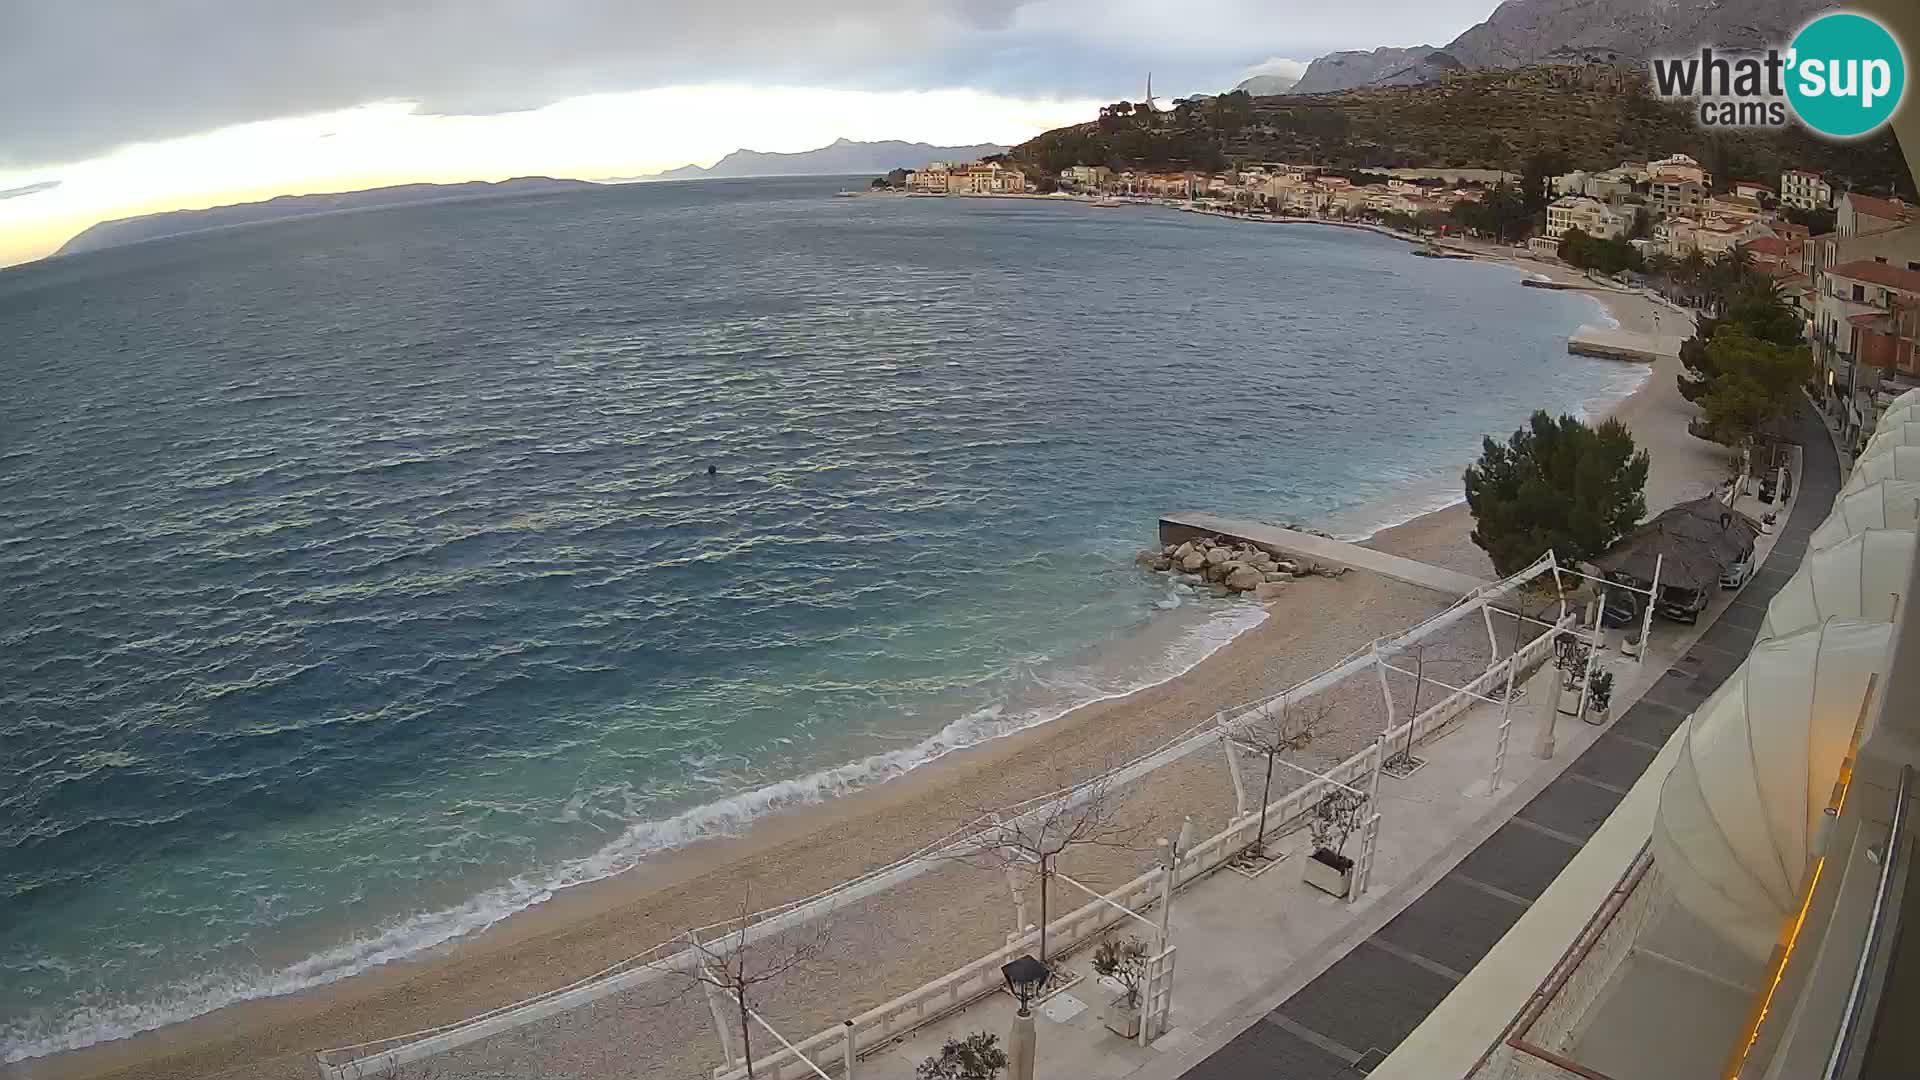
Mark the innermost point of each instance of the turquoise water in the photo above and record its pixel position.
(364, 581)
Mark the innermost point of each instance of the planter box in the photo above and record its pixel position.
(1121, 1018)
(1330, 873)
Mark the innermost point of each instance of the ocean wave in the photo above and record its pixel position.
(1088, 682)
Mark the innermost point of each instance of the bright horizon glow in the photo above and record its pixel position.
(593, 137)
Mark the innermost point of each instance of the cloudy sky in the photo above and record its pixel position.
(116, 107)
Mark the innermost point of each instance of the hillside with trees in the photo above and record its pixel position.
(1554, 118)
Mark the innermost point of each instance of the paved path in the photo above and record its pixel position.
(1349, 1018)
(1176, 528)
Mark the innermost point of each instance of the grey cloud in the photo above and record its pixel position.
(84, 76)
(28, 189)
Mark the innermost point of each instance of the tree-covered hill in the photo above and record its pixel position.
(1576, 116)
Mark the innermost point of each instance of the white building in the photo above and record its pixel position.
(1590, 216)
(1805, 190)
(1086, 176)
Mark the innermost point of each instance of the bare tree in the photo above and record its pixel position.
(1273, 732)
(1420, 654)
(1031, 837)
(737, 966)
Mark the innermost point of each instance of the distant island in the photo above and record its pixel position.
(843, 158)
(122, 231)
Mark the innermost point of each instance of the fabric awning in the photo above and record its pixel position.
(1887, 463)
(1861, 577)
(1896, 433)
(1883, 504)
(1740, 814)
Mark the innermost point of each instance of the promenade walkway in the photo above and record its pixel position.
(1179, 527)
(1353, 1014)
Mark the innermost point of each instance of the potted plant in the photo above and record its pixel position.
(1125, 962)
(1332, 820)
(976, 1057)
(1600, 694)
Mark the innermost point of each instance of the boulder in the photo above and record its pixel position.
(1160, 563)
(1286, 566)
(1192, 561)
(1184, 550)
(1268, 590)
(1217, 571)
(1218, 555)
(1245, 579)
(1278, 576)
(1149, 557)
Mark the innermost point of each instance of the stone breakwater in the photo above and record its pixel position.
(1229, 566)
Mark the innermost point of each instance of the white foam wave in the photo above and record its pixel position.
(404, 938)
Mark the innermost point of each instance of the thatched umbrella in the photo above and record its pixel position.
(1692, 541)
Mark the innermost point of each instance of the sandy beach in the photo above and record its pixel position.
(926, 927)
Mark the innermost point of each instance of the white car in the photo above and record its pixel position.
(1735, 575)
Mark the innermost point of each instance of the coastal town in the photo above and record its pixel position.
(1848, 261)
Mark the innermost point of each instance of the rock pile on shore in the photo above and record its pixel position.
(1234, 566)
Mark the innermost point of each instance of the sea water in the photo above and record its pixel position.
(365, 579)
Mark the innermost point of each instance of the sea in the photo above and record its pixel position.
(368, 578)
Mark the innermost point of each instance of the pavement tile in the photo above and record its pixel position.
(1614, 761)
(1571, 807)
(1453, 924)
(1370, 998)
(1520, 860)
(1650, 722)
(1266, 1051)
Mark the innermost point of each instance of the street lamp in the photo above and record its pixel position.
(1025, 978)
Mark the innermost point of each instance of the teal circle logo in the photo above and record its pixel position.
(1845, 75)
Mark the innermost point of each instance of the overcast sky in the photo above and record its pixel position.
(109, 103)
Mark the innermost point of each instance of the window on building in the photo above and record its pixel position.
(1860, 294)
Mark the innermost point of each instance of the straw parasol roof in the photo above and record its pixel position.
(1693, 542)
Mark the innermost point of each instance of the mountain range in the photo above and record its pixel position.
(1267, 85)
(132, 230)
(1520, 33)
(844, 157)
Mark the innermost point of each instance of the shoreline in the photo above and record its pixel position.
(582, 926)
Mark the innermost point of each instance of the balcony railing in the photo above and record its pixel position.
(1892, 858)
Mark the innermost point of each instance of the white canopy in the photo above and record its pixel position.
(1886, 463)
(1740, 813)
(1893, 433)
(1900, 414)
(1857, 578)
(1883, 504)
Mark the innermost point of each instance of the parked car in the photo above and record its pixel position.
(1681, 605)
(1620, 608)
(1735, 575)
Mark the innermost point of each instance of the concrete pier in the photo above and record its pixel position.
(1623, 344)
(1181, 527)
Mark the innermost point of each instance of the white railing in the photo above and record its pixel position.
(959, 988)
(377, 1057)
